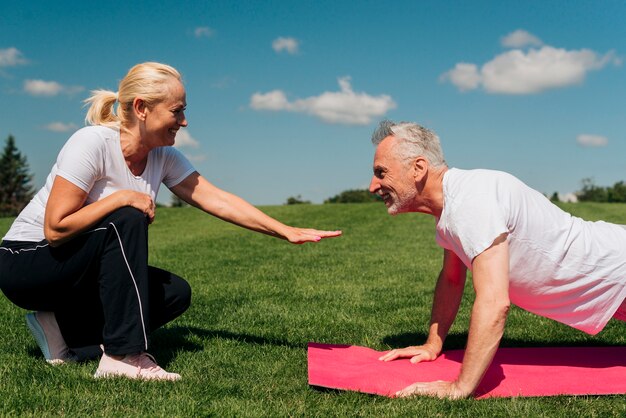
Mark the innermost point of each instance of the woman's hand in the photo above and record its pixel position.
(416, 354)
(302, 235)
(140, 201)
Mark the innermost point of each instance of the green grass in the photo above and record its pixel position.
(257, 301)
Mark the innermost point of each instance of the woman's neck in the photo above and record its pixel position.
(134, 151)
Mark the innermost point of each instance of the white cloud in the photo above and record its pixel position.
(60, 127)
(344, 107)
(273, 100)
(185, 140)
(291, 45)
(42, 88)
(595, 141)
(517, 73)
(203, 32)
(528, 72)
(11, 57)
(519, 39)
(464, 76)
(48, 88)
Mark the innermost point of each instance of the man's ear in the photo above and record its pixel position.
(139, 108)
(420, 169)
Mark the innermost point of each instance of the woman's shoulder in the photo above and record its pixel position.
(93, 136)
(90, 140)
(97, 131)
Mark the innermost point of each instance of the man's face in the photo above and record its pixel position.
(393, 180)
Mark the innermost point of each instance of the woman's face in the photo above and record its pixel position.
(163, 120)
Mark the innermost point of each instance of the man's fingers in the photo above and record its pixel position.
(392, 355)
(408, 391)
(417, 358)
(439, 388)
(388, 357)
(415, 355)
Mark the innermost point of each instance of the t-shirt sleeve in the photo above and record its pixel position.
(479, 221)
(81, 160)
(176, 167)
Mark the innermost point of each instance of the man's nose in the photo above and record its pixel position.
(374, 185)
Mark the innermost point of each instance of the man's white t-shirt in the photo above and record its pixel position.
(560, 267)
(92, 159)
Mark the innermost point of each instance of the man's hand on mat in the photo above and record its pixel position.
(415, 353)
(440, 389)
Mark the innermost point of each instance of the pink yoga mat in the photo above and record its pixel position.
(545, 371)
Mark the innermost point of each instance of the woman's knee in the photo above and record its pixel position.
(170, 295)
(183, 294)
(128, 214)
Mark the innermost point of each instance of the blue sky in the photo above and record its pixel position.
(283, 95)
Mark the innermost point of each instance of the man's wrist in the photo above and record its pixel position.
(462, 390)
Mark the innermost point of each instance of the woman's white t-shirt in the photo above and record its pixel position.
(560, 266)
(92, 160)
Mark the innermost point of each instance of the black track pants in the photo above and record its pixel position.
(99, 284)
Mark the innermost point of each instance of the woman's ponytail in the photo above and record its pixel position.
(101, 109)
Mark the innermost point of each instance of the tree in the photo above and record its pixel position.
(16, 187)
(555, 197)
(353, 196)
(617, 193)
(296, 201)
(592, 193)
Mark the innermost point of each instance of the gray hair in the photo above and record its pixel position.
(413, 141)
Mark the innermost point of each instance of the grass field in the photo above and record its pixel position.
(241, 348)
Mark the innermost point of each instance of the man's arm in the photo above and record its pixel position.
(446, 302)
(491, 284)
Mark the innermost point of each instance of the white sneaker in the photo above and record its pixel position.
(134, 366)
(45, 329)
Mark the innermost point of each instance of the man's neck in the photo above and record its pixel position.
(431, 201)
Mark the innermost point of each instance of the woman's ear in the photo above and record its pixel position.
(139, 108)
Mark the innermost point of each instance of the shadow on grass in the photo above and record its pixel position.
(168, 341)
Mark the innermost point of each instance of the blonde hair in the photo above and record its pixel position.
(147, 80)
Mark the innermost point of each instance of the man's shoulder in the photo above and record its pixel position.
(479, 190)
(479, 180)
(479, 173)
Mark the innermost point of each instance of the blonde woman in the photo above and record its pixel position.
(78, 253)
